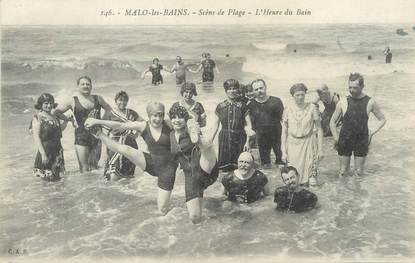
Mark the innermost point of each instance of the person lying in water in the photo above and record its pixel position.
(245, 184)
(292, 197)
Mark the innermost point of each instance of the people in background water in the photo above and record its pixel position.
(155, 70)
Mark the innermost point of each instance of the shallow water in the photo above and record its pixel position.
(83, 215)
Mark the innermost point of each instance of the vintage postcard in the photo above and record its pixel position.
(211, 131)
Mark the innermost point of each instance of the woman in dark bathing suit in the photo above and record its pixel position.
(159, 161)
(84, 105)
(196, 157)
(47, 134)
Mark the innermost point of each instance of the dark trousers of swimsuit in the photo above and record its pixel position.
(269, 137)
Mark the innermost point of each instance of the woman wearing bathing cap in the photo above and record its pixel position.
(159, 161)
(301, 146)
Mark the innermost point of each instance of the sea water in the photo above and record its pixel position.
(83, 215)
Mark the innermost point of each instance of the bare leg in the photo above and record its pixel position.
(82, 153)
(134, 155)
(114, 177)
(194, 207)
(163, 201)
(359, 164)
(208, 156)
(344, 165)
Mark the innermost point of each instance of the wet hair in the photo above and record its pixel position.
(178, 111)
(83, 77)
(121, 94)
(156, 59)
(287, 169)
(45, 97)
(357, 76)
(230, 83)
(179, 57)
(188, 86)
(248, 88)
(153, 107)
(259, 80)
(298, 87)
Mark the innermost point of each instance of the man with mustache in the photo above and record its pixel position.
(355, 135)
(292, 197)
(266, 112)
(245, 184)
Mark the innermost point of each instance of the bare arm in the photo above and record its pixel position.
(134, 155)
(104, 104)
(61, 109)
(249, 132)
(284, 136)
(115, 125)
(197, 70)
(172, 70)
(38, 141)
(379, 116)
(266, 190)
(144, 73)
(336, 115)
(317, 122)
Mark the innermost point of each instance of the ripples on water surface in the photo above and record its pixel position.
(82, 215)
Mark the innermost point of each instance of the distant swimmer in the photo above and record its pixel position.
(47, 134)
(245, 184)
(388, 54)
(208, 65)
(180, 68)
(355, 136)
(369, 57)
(292, 197)
(155, 70)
